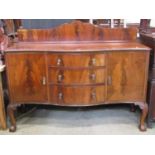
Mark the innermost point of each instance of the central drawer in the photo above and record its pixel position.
(76, 60)
(76, 79)
(84, 95)
(76, 76)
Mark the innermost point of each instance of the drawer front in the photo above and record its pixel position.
(76, 60)
(81, 96)
(76, 76)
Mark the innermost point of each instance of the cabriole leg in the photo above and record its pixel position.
(11, 109)
(144, 108)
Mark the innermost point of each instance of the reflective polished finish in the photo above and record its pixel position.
(83, 65)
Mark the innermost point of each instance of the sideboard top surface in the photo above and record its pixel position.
(75, 47)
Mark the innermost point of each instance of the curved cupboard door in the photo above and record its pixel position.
(127, 76)
(26, 77)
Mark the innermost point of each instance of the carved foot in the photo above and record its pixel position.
(12, 128)
(144, 108)
(142, 127)
(11, 109)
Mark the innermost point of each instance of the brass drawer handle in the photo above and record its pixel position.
(109, 80)
(93, 95)
(60, 96)
(59, 61)
(92, 62)
(44, 80)
(92, 77)
(60, 77)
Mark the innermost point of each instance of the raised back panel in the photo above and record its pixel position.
(78, 31)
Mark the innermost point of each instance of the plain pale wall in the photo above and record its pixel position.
(43, 23)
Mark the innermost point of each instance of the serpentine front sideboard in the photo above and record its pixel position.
(77, 64)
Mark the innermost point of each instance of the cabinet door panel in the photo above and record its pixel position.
(26, 73)
(128, 75)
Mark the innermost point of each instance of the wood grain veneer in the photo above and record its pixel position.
(77, 64)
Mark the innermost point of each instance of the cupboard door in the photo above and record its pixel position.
(127, 76)
(26, 77)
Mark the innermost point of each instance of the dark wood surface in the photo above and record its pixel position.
(26, 72)
(77, 31)
(148, 38)
(128, 72)
(76, 47)
(3, 123)
(77, 69)
(77, 95)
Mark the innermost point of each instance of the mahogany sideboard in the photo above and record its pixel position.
(148, 38)
(77, 64)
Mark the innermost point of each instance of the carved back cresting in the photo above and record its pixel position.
(78, 31)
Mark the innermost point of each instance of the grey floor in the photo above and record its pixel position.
(74, 121)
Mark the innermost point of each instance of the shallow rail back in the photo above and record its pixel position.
(78, 31)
